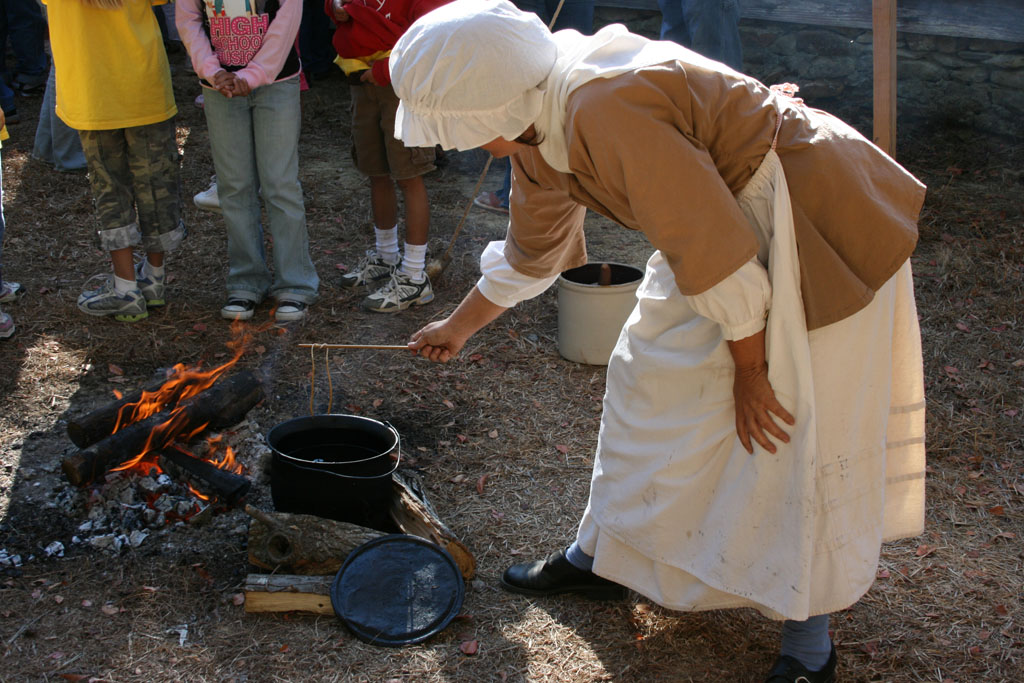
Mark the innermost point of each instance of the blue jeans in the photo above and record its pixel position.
(710, 27)
(56, 143)
(22, 21)
(254, 141)
(577, 14)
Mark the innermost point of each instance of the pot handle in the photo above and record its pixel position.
(398, 437)
(313, 470)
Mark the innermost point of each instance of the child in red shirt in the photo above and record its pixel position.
(367, 30)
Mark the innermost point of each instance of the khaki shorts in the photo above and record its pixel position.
(375, 149)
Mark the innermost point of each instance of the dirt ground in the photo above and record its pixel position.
(501, 438)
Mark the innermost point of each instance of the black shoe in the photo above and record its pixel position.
(557, 575)
(789, 670)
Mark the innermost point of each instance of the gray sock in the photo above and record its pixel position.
(578, 558)
(807, 641)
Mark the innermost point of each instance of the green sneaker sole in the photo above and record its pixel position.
(129, 318)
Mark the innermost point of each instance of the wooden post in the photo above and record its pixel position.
(883, 21)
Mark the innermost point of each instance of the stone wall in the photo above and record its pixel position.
(943, 83)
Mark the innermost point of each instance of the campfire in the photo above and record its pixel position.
(141, 450)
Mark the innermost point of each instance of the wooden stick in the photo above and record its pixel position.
(390, 347)
(284, 593)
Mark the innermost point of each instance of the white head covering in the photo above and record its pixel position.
(472, 71)
(469, 72)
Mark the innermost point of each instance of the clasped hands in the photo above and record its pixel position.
(229, 84)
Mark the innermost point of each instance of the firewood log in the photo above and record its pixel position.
(222, 405)
(87, 429)
(288, 593)
(414, 515)
(303, 544)
(307, 544)
(229, 487)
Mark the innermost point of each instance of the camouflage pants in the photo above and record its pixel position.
(133, 173)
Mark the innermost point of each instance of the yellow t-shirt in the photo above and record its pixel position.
(111, 65)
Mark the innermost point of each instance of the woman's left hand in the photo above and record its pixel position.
(755, 405)
(754, 396)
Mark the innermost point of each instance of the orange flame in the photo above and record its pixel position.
(197, 493)
(183, 383)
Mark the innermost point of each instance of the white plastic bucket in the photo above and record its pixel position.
(591, 315)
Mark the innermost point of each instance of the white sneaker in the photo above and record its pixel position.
(372, 269)
(10, 291)
(6, 325)
(399, 293)
(207, 200)
(129, 307)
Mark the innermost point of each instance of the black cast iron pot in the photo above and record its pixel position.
(335, 466)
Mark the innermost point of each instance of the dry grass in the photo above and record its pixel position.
(947, 606)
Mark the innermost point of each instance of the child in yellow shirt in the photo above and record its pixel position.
(114, 87)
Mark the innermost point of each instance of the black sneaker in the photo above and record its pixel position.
(557, 575)
(789, 670)
(290, 311)
(238, 308)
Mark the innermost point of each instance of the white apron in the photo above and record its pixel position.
(682, 514)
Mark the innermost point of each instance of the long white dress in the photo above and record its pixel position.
(681, 513)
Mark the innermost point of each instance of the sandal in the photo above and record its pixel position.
(238, 309)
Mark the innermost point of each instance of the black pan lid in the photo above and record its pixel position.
(397, 590)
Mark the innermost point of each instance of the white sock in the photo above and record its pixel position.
(387, 244)
(124, 286)
(148, 269)
(414, 260)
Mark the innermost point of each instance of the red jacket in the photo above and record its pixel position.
(376, 25)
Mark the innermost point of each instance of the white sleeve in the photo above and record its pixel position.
(502, 284)
(739, 303)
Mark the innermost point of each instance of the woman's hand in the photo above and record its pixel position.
(755, 404)
(442, 340)
(438, 341)
(754, 396)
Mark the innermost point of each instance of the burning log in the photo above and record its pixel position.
(288, 593)
(87, 429)
(205, 476)
(222, 405)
